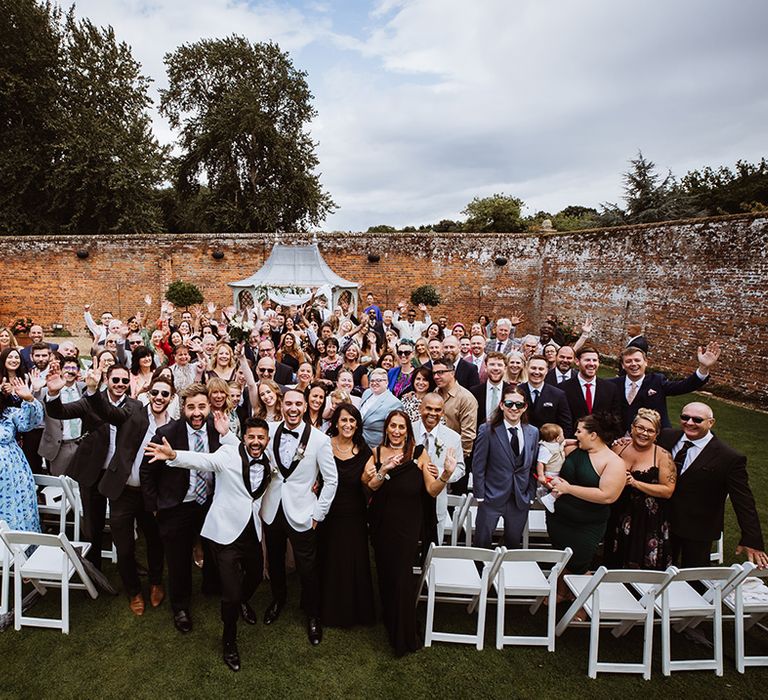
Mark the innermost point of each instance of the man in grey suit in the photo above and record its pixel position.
(376, 404)
(503, 342)
(502, 468)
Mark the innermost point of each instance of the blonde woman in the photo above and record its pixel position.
(516, 373)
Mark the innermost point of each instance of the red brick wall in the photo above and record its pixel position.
(686, 282)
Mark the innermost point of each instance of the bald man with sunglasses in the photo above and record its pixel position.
(708, 470)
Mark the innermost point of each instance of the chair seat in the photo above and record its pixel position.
(537, 522)
(524, 578)
(616, 600)
(684, 600)
(46, 562)
(455, 576)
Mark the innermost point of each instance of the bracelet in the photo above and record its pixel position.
(382, 477)
(440, 478)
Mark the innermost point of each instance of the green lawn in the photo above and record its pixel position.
(110, 653)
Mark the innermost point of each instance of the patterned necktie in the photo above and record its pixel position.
(588, 396)
(514, 441)
(425, 442)
(201, 482)
(680, 456)
(632, 392)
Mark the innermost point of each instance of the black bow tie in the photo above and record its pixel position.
(261, 460)
(290, 432)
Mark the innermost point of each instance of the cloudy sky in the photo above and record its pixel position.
(425, 104)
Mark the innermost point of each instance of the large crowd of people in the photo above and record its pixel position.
(305, 433)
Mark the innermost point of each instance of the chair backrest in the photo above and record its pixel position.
(473, 553)
(557, 557)
(711, 573)
(47, 480)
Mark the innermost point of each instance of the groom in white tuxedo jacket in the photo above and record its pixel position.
(233, 524)
(291, 510)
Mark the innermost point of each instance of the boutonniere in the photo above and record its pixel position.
(438, 447)
(273, 471)
(651, 392)
(299, 454)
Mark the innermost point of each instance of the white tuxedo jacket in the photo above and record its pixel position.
(300, 505)
(232, 503)
(446, 438)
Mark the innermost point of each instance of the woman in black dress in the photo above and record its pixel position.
(347, 588)
(402, 502)
(638, 529)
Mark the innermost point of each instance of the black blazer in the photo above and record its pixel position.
(606, 398)
(480, 392)
(163, 486)
(653, 394)
(641, 342)
(467, 374)
(551, 407)
(551, 377)
(697, 506)
(132, 421)
(85, 467)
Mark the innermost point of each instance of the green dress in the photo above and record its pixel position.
(576, 523)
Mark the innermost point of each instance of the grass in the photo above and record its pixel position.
(112, 654)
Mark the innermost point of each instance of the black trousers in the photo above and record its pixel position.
(305, 553)
(241, 570)
(94, 518)
(690, 553)
(124, 513)
(179, 528)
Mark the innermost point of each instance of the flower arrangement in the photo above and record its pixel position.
(239, 328)
(21, 325)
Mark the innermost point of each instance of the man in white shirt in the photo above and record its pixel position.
(563, 369)
(411, 329)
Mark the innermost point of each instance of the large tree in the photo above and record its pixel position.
(499, 213)
(243, 111)
(77, 152)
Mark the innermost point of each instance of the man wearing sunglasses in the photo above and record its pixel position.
(708, 470)
(121, 484)
(95, 449)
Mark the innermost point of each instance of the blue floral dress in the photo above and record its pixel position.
(18, 497)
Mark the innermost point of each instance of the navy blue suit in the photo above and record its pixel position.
(551, 407)
(26, 354)
(505, 485)
(653, 394)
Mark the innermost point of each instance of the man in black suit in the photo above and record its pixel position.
(181, 500)
(638, 389)
(120, 483)
(283, 373)
(489, 393)
(563, 369)
(465, 372)
(636, 339)
(708, 471)
(546, 404)
(586, 393)
(95, 451)
(37, 337)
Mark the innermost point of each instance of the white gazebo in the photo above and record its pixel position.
(291, 275)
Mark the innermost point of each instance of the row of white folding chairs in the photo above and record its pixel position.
(518, 576)
(53, 563)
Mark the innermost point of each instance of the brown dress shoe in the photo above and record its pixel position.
(156, 595)
(136, 604)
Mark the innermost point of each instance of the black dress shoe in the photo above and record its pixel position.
(314, 631)
(231, 656)
(182, 621)
(248, 614)
(272, 612)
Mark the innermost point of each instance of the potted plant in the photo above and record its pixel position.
(20, 329)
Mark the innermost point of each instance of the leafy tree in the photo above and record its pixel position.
(183, 294)
(426, 294)
(242, 110)
(447, 226)
(725, 191)
(499, 213)
(648, 197)
(381, 228)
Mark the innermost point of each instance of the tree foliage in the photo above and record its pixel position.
(499, 213)
(77, 148)
(243, 110)
(426, 294)
(726, 191)
(183, 294)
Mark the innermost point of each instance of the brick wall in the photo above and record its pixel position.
(687, 282)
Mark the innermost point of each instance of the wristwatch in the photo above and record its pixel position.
(382, 477)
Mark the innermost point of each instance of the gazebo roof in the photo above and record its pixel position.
(294, 266)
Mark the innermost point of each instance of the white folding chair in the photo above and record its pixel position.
(53, 563)
(452, 577)
(716, 557)
(536, 527)
(518, 577)
(55, 500)
(684, 605)
(6, 564)
(748, 601)
(452, 524)
(608, 602)
(470, 517)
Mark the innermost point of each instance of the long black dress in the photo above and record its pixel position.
(397, 518)
(638, 529)
(347, 586)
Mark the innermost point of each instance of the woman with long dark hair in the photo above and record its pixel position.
(402, 512)
(343, 535)
(142, 366)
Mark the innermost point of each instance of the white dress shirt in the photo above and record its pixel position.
(133, 479)
(519, 430)
(583, 382)
(693, 451)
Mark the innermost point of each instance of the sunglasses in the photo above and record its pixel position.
(160, 392)
(404, 353)
(119, 380)
(437, 372)
(508, 403)
(134, 342)
(265, 370)
(685, 418)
